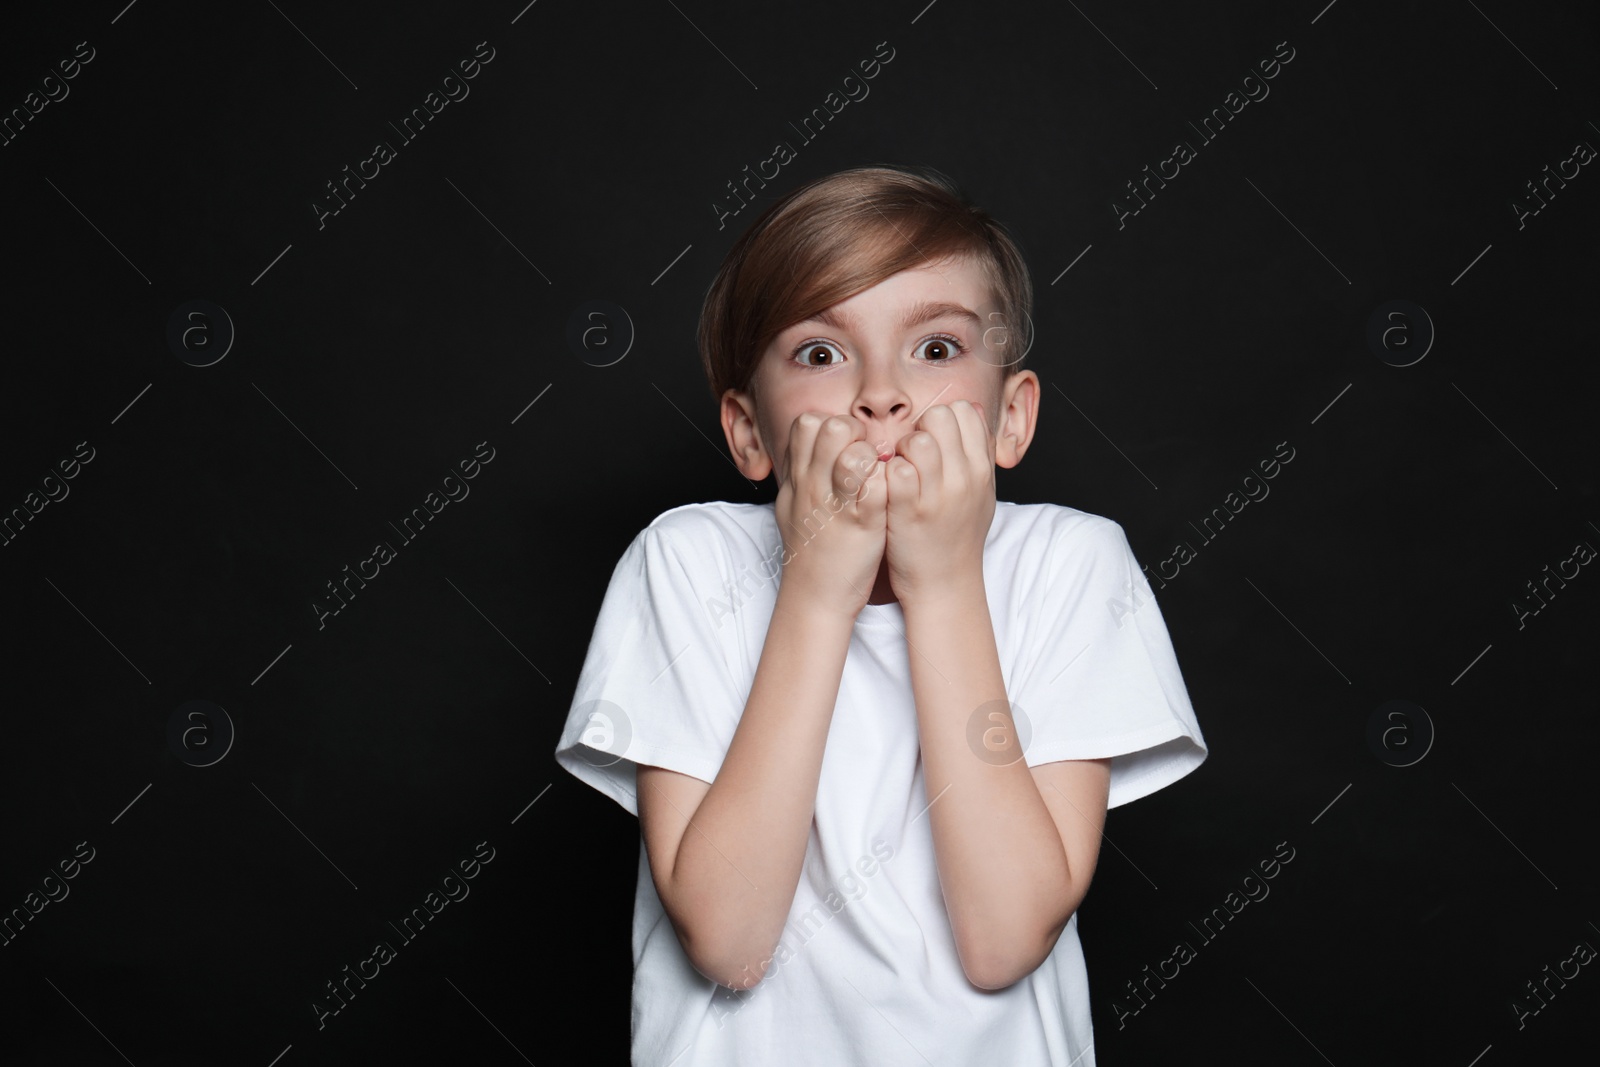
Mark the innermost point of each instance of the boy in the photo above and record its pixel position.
(871, 730)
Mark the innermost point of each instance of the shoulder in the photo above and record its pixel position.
(714, 532)
(1055, 532)
(718, 518)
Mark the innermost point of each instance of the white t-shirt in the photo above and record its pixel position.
(867, 972)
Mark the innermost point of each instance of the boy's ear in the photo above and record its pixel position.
(1019, 415)
(744, 435)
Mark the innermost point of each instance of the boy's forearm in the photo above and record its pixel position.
(1002, 867)
(739, 861)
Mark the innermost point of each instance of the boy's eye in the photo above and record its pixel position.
(940, 348)
(820, 350)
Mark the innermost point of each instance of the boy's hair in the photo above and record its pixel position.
(840, 235)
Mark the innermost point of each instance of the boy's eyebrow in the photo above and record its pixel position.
(916, 314)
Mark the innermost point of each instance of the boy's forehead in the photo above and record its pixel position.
(957, 286)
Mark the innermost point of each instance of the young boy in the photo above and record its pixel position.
(871, 730)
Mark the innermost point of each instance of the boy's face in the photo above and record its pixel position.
(863, 359)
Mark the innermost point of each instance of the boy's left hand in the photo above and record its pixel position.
(941, 501)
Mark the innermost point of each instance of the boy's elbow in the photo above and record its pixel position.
(701, 957)
(723, 966)
(1006, 953)
(730, 971)
(992, 969)
(707, 946)
(993, 975)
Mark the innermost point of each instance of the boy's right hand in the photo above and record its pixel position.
(835, 480)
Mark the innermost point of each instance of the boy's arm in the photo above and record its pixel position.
(727, 866)
(726, 857)
(1015, 850)
(1013, 865)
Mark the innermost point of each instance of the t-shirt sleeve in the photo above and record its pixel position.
(1098, 677)
(655, 687)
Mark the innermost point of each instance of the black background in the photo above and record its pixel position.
(375, 352)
